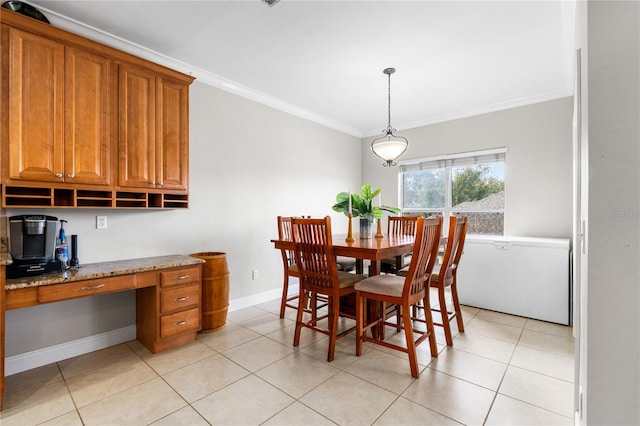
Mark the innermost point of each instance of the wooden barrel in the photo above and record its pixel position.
(215, 290)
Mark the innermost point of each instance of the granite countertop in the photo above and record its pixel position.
(104, 269)
(5, 257)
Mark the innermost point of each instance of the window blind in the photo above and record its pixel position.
(455, 160)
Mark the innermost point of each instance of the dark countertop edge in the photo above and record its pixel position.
(104, 269)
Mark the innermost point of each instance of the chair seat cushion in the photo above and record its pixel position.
(345, 263)
(388, 285)
(348, 280)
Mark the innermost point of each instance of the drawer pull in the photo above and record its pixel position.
(93, 287)
(181, 299)
(183, 277)
(181, 323)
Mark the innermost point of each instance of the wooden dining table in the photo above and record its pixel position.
(371, 249)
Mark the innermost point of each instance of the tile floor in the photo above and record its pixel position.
(504, 370)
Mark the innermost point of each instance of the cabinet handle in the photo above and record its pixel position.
(181, 299)
(153, 182)
(71, 176)
(93, 287)
(161, 183)
(183, 277)
(181, 323)
(59, 175)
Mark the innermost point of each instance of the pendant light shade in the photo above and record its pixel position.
(389, 146)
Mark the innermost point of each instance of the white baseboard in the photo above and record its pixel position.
(256, 299)
(28, 360)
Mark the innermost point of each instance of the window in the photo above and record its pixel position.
(469, 184)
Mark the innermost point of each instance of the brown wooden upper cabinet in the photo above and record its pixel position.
(153, 140)
(78, 115)
(59, 112)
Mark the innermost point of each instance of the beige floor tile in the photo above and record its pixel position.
(547, 363)
(457, 399)
(204, 377)
(139, 405)
(537, 389)
(266, 323)
(98, 359)
(549, 328)
(34, 378)
(385, 370)
(245, 314)
(104, 382)
(502, 318)
(468, 313)
(186, 416)
(258, 353)
(495, 349)
(298, 414)
(230, 336)
(505, 332)
(476, 369)
(36, 404)
(284, 335)
(259, 402)
(69, 419)
(348, 400)
(172, 359)
(405, 412)
(297, 374)
(510, 412)
(548, 342)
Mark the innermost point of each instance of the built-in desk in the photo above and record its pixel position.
(168, 296)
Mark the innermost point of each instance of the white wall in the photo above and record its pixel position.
(612, 317)
(538, 173)
(248, 164)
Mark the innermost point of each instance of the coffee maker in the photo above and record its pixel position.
(32, 244)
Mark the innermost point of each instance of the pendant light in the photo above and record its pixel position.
(389, 146)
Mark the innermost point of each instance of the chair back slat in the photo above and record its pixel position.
(453, 250)
(402, 225)
(424, 255)
(285, 233)
(314, 252)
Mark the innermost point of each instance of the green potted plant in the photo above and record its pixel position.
(362, 206)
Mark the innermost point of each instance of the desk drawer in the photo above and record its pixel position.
(57, 292)
(179, 322)
(179, 298)
(180, 276)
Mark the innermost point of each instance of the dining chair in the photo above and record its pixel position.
(319, 275)
(445, 276)
(285, 233)
(404, 292)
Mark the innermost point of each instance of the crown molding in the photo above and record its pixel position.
(499, 106)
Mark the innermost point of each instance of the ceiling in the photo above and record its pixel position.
(323, 60)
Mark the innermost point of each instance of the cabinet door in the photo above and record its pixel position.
(36, 90)
(172, 118)
(137, 142)
(88, 117)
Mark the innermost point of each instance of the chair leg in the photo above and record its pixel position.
(433, 346)
(411, 344)
(334, 308)
(445, 316)
(285, 295)
(360, 302)
(296, 335)
(456, 306)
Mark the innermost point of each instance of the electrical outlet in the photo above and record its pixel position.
(254, 274)
(101, 222)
